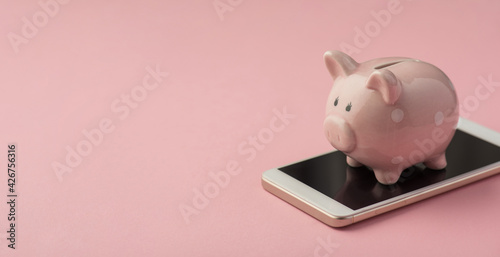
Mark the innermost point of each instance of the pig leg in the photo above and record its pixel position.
(387, 177)
(436, 163)
(353, 163)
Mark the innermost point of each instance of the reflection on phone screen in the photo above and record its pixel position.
(357, 187)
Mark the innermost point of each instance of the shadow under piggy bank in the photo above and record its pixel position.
(361, 188)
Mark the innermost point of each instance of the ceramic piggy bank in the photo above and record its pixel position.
(389, 113)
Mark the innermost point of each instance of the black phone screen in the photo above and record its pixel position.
(357, 187)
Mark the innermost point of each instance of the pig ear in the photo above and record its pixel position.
(339, 64)
(386, 83)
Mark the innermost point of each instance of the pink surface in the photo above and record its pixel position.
(235, 72)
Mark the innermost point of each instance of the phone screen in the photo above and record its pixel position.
(357, 187)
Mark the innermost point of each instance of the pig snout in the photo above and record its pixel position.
(340, 134)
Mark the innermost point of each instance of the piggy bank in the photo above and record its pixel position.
(389, 113)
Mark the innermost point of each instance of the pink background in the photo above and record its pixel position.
(227, 74)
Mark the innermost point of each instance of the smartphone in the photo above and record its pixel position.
(328, 189)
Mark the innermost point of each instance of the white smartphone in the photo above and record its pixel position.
(328, 189)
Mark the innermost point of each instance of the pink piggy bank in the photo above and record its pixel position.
(389, 113)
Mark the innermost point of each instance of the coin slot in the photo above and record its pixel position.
(381, 66)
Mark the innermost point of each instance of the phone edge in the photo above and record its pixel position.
(341, 221)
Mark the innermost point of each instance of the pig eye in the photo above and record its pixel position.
(348, 107)
(336, 101)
